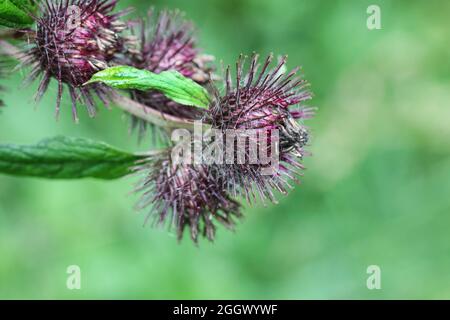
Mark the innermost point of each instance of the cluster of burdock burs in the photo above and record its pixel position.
(260, 95)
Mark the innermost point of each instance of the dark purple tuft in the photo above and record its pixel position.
(166, 42)
(74, 39)
(264, 100)
(188, 196)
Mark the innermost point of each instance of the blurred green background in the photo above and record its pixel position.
(376, 191)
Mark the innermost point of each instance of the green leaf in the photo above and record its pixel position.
(16, 13)
(171, 83)
(66, 158)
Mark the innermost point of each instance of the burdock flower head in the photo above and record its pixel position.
(74, 39)
(166, 42)
(265, 107)
(187, 195)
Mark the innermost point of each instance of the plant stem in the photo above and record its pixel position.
(141, 111)
(150, 115)
(15, 34)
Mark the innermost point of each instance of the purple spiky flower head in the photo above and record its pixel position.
(166, 42)
(187, 195)
(269, 102)
(74, 39)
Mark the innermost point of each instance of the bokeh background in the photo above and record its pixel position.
(376, 191)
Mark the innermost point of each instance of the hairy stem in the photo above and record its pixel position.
(8, 34)
(150, 115)
(141, 111)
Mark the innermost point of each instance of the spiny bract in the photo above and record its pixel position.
(166, 42)
(187, 195)
(74, 39)
(269, 102)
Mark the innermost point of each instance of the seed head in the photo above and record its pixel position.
(75, 39)
(270, 102)
(166, 42)
(189, 196)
